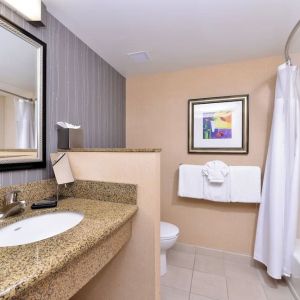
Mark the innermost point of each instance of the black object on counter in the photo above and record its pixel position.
(45, 203)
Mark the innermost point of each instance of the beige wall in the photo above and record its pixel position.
(134, 273)
(157, 117)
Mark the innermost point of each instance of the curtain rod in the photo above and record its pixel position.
(288, 42)
(13, 94)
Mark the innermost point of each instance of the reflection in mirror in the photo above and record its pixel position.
(22, 97)
(17, 127)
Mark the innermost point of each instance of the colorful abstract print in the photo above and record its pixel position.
(217, 125)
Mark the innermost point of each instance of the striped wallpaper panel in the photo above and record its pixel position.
(81, 88)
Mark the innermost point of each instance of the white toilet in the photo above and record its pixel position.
(168, 237)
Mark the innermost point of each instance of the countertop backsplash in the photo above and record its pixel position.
(96, 190)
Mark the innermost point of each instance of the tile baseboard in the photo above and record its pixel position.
(179, 246)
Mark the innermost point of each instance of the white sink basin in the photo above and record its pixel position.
(38, 228)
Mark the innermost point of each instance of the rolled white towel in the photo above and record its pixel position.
(216, 171)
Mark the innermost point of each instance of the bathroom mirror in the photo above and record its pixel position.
(22, 99)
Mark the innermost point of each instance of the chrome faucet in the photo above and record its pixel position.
(12, 205)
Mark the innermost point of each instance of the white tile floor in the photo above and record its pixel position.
(204, 274)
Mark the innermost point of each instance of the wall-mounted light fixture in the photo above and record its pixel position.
(31, 10)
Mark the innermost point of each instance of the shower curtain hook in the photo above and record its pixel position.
(288, 42)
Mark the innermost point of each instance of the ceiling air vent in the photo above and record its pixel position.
(139, 57)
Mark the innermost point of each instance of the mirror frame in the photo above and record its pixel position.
(42, 114)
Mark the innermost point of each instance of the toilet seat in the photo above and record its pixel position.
(168, 231)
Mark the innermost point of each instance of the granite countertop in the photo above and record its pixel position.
(110, 150)
(24, 266)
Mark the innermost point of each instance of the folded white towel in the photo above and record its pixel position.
(241, 184)
(217, 191)
(245, 184)
(190, 181)
(216, 171)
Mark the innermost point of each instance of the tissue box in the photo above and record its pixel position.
(68, 138)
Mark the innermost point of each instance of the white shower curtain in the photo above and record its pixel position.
(25, 116)
(278, 212)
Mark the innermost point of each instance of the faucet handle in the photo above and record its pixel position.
(11, 197)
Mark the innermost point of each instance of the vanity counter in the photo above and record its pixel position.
(56, 268)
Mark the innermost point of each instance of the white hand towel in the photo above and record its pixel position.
(216, 171)
(217, 191)
(190, 181)
(245, 184)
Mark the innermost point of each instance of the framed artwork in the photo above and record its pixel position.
(218, 125)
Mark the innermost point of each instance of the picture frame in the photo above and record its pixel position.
(219, 125)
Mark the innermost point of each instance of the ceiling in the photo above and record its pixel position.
(179, 34)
